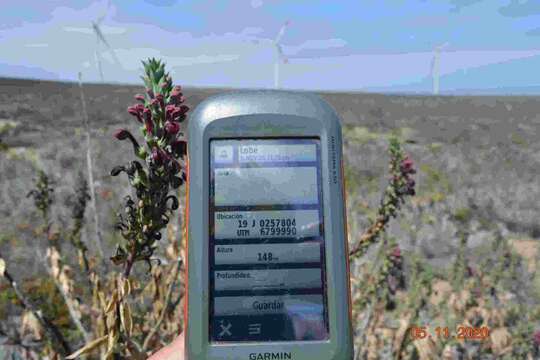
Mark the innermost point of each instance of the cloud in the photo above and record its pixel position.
(107, 30)
(256, 3)
(460, 4)
(78, 30)
(252, 30)
(37, 45)
(517, 8)
(533, 32)
(318, 48)
(429, 21)
(130, 58)
(161, 2)
(322, 44)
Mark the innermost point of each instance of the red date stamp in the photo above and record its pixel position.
(461, 333)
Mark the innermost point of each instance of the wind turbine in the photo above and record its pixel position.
(100, 38)
(279, 56)
(435, 67)
(278, 51)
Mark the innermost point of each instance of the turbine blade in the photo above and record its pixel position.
(100, 19)
(101, 38)
(100, 35)
(281, 32)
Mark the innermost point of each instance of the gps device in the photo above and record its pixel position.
(267, 267)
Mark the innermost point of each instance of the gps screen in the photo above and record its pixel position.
(266, 250)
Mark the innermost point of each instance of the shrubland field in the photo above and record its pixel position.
(468, 240)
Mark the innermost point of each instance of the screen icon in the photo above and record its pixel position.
(223, 154)
(254, 329)
(225, 329)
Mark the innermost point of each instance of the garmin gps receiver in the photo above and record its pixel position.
(267, 268)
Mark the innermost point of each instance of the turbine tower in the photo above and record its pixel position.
(279, 56)
(435, 67)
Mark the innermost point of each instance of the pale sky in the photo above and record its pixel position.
(375, 45)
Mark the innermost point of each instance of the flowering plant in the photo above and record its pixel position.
(400, 186)
(160, 112)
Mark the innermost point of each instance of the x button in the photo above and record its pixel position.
(225, 329)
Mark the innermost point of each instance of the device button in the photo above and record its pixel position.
(225, 328)
(265, 305)
(254, 329)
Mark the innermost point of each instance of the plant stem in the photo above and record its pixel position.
(57, 339)
(165, 306)
(369, 236)
(129, 262)
(98, 239)
(71, 304)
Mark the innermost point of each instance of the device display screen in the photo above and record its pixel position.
(267, 265)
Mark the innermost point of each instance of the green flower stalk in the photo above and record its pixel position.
(162, 169)
(400, 186)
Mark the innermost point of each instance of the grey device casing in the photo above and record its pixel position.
(259, 114)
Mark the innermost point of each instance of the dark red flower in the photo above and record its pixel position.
(133, 111)
(147, 114)
(176, 95)
(139, 108)
(179, 147)
(121, 134)
(139, 97)
(174, 167)
(169, 109)
(172, 127)
(396, 252)
(536, 338)
(409, 188)
(159, 97)
(157, 155)
(148, 120)
(177, 90)
(150, 93)
(407, 166)
(180, 111)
